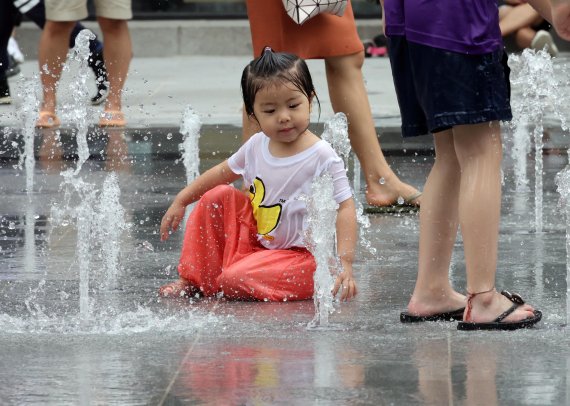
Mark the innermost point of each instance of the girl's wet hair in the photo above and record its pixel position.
(275, 68)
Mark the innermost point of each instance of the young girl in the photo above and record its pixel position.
(452, 81)
(251, 248)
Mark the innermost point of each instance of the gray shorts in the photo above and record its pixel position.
(75, 10)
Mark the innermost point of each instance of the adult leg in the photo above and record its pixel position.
(348, 94)
(479, 153)
(51, 57)
(37, 13)
(524, 37)
(433, 293)
(117, 53)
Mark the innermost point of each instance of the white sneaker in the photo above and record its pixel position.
(14, 50)
(544, 39)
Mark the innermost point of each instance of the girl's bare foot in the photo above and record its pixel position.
(179, 288)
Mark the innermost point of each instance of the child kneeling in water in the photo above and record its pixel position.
(252, 248)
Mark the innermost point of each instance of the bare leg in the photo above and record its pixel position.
(117, 53)
(348, 94)
(524, 37)
(51, 57)
(438, 230)
(479, 153)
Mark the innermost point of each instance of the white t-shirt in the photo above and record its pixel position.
(277, 183)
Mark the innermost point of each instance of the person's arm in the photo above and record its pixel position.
(561, 18)
(557, 12)
(346, 243)
(383, 18)
(218, 175)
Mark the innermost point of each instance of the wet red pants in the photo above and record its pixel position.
(221, 253)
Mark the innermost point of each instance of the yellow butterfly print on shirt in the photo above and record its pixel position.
(267, 217)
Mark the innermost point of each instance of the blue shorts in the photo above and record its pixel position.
(439, 89)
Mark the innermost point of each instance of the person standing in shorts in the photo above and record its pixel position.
(452, 80)
(61, 16)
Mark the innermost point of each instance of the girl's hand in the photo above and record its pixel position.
(346, 284)
(171, 220)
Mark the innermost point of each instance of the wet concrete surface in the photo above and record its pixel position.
(132, 348)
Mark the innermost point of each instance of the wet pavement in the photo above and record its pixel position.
(122, 345)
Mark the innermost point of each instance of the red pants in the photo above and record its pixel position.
(221, 253)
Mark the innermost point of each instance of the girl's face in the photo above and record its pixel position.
(282, 111)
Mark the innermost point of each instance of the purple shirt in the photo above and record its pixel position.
(466, 26)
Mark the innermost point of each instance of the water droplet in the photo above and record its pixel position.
(169, 136)
(148, 246)
(382, 181)
(12, 225)
(401, 200)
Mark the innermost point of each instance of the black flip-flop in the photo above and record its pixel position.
(498, 323)
(454, 315)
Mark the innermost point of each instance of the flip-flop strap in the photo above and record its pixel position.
(517, 302)
(412, 197)
(506, 313)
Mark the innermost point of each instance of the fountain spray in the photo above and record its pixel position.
(320, 238)
(563, 188)
(533, 74)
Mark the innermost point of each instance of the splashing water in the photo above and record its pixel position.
(77, 111)
(190, 129)
(533, 74)
(520, 151)
(109, 227)
(110, 322)
(563, 187)
(190, 149)
(336, 134)
(320, 241)
(100, 221)
(28, 115)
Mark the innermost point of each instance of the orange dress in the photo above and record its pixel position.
(323, 36)
(221, 253)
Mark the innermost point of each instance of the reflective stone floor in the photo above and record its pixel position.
(125, 346)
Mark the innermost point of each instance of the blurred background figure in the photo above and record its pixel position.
(61, 20)
(15, 55)
(517, 19)
(34, 10)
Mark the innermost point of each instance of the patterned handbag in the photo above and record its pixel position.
(303, 10)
